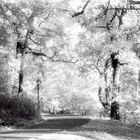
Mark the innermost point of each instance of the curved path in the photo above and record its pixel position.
(74, 128)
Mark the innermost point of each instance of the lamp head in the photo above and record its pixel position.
(38, 81)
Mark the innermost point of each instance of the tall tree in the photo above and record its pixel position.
(108, 18)
(34, 29)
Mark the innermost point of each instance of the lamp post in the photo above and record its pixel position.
(38, 82)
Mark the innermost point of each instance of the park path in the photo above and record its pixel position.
(74, 128)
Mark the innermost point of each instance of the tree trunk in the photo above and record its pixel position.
(114, 111)
(103, 92)
(136, 49)
(104, 87)
(21, 72)
(21, 75)
(138, 91)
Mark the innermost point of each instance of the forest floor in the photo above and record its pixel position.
(74, 128)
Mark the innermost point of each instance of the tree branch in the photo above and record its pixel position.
(134, 2)
(45, 19)
(65, 61)
(97, 68)
(34, 41)
(104, 13)
(123, 11)
(51, 58)
(119, 8)
(121, 64)
(82, 11)
(107, 65)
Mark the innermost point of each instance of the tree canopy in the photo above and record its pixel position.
(85, 52)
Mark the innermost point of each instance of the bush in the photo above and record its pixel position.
(22, 107)
(130, 116)
(12, 109)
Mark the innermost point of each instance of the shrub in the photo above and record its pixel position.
(22, 107)
(12, 109)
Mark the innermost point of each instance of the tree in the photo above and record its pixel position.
(108, 19)
(32, 35)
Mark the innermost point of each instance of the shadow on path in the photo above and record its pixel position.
(61, 124)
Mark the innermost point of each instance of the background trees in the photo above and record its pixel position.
(83, 52)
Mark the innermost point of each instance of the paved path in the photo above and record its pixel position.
(53, 128)
(74, 128)
(53, 136)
